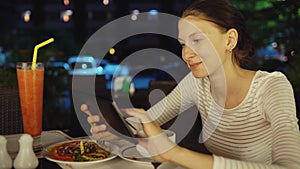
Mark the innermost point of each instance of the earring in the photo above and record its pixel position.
(231, 48)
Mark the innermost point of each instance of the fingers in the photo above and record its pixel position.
(150, 127)
(99, 133)
(97, 129)
(104, 136)
(93, 119)
(139, 113)
(157, 145)
(84, 108)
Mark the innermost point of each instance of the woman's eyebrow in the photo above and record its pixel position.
(196, 33)
(192, 34)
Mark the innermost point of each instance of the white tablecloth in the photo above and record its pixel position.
(119, 163)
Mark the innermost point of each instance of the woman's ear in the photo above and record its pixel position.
(232, 36)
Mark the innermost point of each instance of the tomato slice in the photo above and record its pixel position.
(66, 157)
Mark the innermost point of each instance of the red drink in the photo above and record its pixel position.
(31, 85)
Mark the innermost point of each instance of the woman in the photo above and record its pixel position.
(249, 116)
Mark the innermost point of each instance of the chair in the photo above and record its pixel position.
(10, 111)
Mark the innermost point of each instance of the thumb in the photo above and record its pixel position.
(138, 113)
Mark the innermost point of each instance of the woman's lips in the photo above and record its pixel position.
(194, 65)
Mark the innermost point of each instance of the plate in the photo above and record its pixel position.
(77, 164)
(130, 153)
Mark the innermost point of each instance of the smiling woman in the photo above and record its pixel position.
(248, 116)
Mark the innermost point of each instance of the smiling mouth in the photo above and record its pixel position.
(194, 65)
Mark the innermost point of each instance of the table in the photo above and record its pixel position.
(116, 163)
(54, 136)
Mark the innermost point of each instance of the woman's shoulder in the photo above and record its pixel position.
(273, 79)
(269, 75)
(264, 76)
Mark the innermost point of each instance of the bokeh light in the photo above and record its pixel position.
(66, 2)
(105, 2)
(112, 51)
(26, 15)
(66, 15)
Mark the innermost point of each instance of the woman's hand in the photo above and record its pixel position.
(98, 132)
(157, 143)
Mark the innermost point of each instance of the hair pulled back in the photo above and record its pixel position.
(226, 16)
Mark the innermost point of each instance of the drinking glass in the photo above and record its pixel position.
(31, 86)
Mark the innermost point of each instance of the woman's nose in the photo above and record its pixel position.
(187, 53)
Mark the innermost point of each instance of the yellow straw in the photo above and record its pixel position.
(33, 66)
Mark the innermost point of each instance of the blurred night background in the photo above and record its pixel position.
(273, 24)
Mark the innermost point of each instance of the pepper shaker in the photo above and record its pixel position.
(26, 159)
(5, 159)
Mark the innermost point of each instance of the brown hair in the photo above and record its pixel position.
(226, 16)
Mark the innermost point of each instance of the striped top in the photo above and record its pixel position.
(261, 132)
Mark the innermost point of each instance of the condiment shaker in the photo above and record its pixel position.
(5, 159)
(26, 159)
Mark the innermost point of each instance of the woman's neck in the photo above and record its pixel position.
(229, 85)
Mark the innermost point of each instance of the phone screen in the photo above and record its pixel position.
(115, 121)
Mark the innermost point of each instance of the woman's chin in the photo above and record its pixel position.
(199, 74)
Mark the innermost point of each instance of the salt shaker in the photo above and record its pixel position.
(26, 159)
(5, 159)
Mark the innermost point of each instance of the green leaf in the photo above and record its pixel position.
(281, 17)
(271, 24)
(260, 5)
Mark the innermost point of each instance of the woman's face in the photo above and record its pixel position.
(203, 45)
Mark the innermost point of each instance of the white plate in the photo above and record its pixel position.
(76, 164)
(131, 154)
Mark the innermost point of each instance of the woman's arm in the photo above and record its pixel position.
(189, 159)
(170, 152)
(164, 150)
(279, 109)
(180, 99)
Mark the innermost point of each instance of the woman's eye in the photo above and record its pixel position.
(195, 41)
(182, 45)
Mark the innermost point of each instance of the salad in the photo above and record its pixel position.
(79, 151)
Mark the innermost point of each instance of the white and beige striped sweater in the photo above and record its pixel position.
(262, 132)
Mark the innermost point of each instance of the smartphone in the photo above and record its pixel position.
(115, 121)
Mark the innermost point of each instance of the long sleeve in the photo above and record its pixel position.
(260, 133)
(180, 99)
(277, 105)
